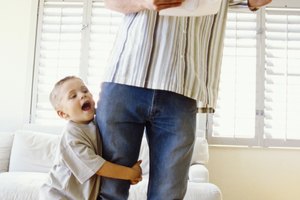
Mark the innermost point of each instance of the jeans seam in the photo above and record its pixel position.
(152, 106)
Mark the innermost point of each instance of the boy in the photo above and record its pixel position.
(76, 173)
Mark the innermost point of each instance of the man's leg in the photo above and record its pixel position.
(171, 134)
(120, 117)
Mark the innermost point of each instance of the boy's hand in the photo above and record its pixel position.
(135, 181)
(138, 173)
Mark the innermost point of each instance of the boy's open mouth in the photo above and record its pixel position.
(86, 106)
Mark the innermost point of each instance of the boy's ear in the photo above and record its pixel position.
(62, 114)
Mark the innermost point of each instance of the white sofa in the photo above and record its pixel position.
(26, 157)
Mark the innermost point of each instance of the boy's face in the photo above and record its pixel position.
(76, 102)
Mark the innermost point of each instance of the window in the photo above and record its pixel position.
(260, 76)
(260, 79)
(234, 119)
(74, 37)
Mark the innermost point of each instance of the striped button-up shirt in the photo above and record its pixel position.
(178, 54)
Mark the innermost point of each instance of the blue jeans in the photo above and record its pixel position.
(123, 112)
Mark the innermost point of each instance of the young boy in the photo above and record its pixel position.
(76, 173)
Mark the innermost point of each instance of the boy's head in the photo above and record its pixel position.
(72, 100)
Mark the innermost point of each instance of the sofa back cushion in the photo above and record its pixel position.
(6, 140)
(33, 151)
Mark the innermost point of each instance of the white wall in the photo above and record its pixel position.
(16, 35)
(255, 173)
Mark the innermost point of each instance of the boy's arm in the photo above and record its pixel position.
(116, 171)
(133, 6)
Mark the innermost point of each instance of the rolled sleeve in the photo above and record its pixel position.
(83, 164)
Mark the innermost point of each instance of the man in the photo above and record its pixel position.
(160, 67)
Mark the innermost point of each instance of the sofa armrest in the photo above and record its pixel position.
(198, 173)
(200, 152)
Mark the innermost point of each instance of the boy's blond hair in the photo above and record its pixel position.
(55, 93)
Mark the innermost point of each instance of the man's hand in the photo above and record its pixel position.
(256, 4)
(161, 4)
(133, 6)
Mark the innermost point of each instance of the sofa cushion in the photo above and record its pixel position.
(195, 191)
(33, 151)
(21, 185)
(203, 191)
(25, 186)
(6, 140)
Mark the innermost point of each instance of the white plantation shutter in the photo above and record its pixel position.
(282, 85)
(104, 26)
(74, 37)
(58, 51)
(234, 118)
(259, 93)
